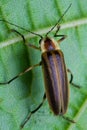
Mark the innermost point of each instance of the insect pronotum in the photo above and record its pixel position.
(54, 72)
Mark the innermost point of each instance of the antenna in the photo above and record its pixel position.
(59, 20)
(21, 27)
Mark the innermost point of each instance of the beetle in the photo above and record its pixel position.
(54, 72)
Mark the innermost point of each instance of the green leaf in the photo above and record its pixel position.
(25, 93)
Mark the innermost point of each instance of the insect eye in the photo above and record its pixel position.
(40, 41)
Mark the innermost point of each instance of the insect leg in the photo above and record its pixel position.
(13, 30)
(75, 85)
(32, 112)
(20, 74)
(68, 119)
(62, 36)
(30, 45)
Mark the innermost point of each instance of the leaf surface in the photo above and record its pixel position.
(25, 93)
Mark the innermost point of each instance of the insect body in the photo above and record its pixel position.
(55, 76)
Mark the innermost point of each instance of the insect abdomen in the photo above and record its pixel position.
(56, 83)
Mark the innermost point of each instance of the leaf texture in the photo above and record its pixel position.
(25, 93)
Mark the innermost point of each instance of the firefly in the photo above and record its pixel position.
(54, 71)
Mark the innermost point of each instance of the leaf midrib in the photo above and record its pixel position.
(67, 25)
